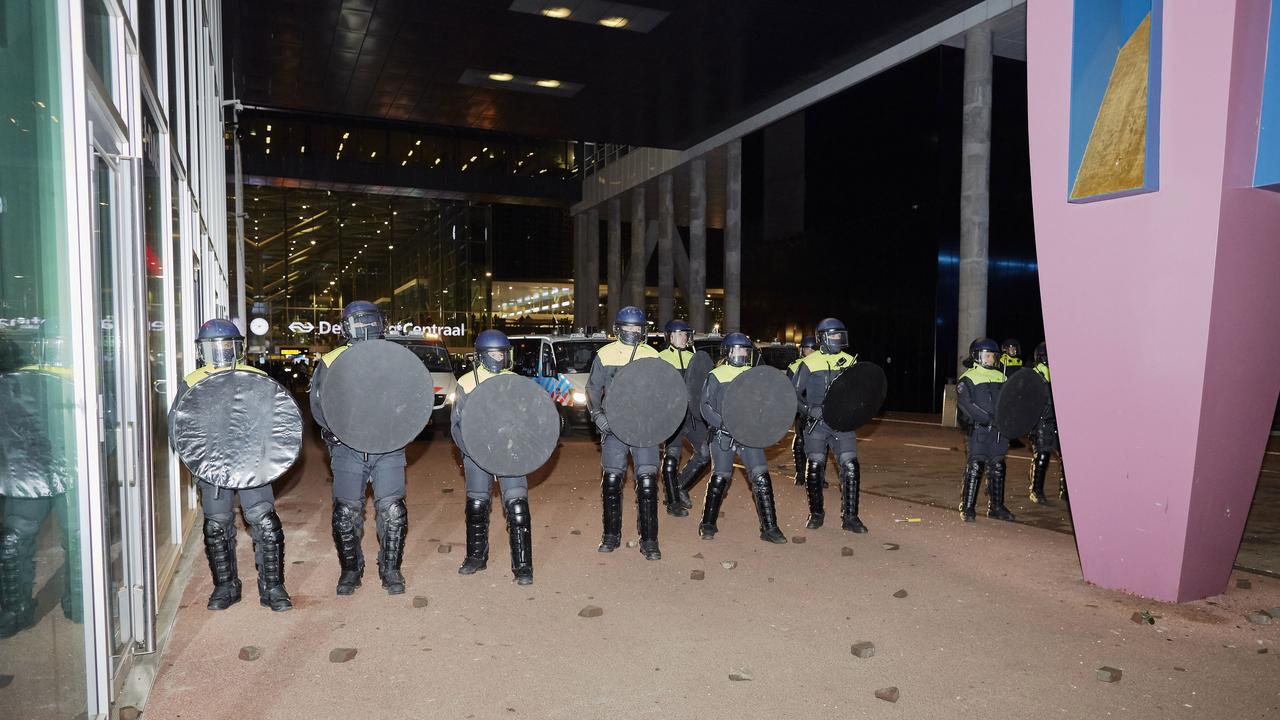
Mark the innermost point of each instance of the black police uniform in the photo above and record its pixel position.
(693, 429)
(813, 377)
(977, 394)
(1044, 443)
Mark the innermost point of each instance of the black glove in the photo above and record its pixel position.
(602, 423)
(329, 438)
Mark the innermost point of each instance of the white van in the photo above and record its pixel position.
(561, 365)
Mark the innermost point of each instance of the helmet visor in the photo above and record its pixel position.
(630, 334)
(495, 360)
(363, 326)
(220, 352)
(738, 356)
(835, 340)
(678, 339)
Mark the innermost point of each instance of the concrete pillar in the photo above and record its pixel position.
(696, 285)
(591, 269)
(635, 269)
(613, 261)
(733, 241)
(579, 270)
(666, 262)
(975, 210)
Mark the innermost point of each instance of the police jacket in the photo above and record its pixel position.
(679, 359)
(713, 392)
(33, 461)
(466, 384)
(1010, 364)
(1049, 418)
(317, 381)
(607, 362)
(977, 394)
(814, 376)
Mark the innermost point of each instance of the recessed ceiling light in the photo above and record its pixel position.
(614, 21)
(556, 11)
(502, 77)
(548, 83)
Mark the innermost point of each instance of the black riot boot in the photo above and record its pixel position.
(969, 490)
(762, 493)
(268, 549)
(689, 477)
(477, 536)
(995, 492)
(1039, 466)
(17, 578)
(717, 488)
(348, 530)
(1062, 484)
(220, 549)
(850, 489)
(520, 529)
(647, 516)
(797, 454)
(611, 511)
(815, 471)
(670, 487)
(393, 526)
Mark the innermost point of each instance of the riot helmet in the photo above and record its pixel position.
(738, 350)
(362, 320)
(678, 333)
(1042, 353)
(1011, 347)
(808, 343)
(984, 352)
(493, 351)
(51, 350)
(630, 316)
(832, 336)
(219, 343)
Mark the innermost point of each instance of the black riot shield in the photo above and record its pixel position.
(646, 402)
(509, 425)
(855, 396)
(377, 396)
(759, 406)
(695, 376)
(37, 425)
(237, 429)
(1023, 400)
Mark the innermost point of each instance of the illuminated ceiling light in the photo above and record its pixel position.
(268, 128)
(484, 149)
(391, 247)
(548, 83)
(268, 140)
(410, 154)
(313, 242)
(403, 163)
(501, 77)
(473, 158)
(614, 21)
(268, 151)
(558, 12)
(419, 142)
(373, 154)
(303, 150)
(437, 162)
(464, 167)
(346, 135)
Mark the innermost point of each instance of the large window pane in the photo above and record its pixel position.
(41, 638)
(98, 26)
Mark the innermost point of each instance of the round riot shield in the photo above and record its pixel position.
(237, 429)
(36, 426)
(695, 376)
(759, 406)
(509, 425)
(646, 402)
(1023, 399)
(377, 396)
(855, 396)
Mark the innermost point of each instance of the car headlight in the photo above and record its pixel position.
(448, 399)
(579, 398)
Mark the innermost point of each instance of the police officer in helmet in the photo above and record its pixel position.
(220, 347)
(813, 377)
(629, 325)
(362, 321)
(1044, 439)
(493, 358)
(678, 352)
(808, 345)
(977, 394)
(738, 352)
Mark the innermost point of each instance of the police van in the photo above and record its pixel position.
(435, 356)
(561, 364)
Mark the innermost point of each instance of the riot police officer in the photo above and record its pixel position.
(737, 351)
(679, 336)
(629, 326)
(813, 377)
(361, 321)
(977, 393)
(808, 344)
(36, 480)
(220, 347)
(493, 358)
(1010, 357)
(1044, 438)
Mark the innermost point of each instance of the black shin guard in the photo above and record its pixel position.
(220, 550)
(850, 491)
(268, 539)
(393, 527)
(762, 493)
(647, 515)
(1039, 466)
(348, 530)
(477, 536)
(969, 489)
(670, 487)
(815, 471)
(995, 491)
(689, 477)
(519, 527)
(610, 511)
(717, 489)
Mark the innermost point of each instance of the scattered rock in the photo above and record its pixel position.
(846, 551)
(250, 653)
(1179, 669)
(1274, 613)
(444, 548)
(446, 491)
(129, 712)
(728, 564)
(1243, 584)
(889, 694)
(575, 531)
(798, 539)
(863, 649)
(341, 655)
(900, 594)
(890, 546)
(297, 562)
(420, 601)
(1262, 651)
(1143, 617)
(697, 575)
(632, 543)
(5, 681)
(1259, 618)
(698, 556)
(590, 611)
(1108, 674)
(741, 674)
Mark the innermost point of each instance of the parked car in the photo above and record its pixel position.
(435, 356)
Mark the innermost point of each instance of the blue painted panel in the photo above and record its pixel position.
(1266, 173)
